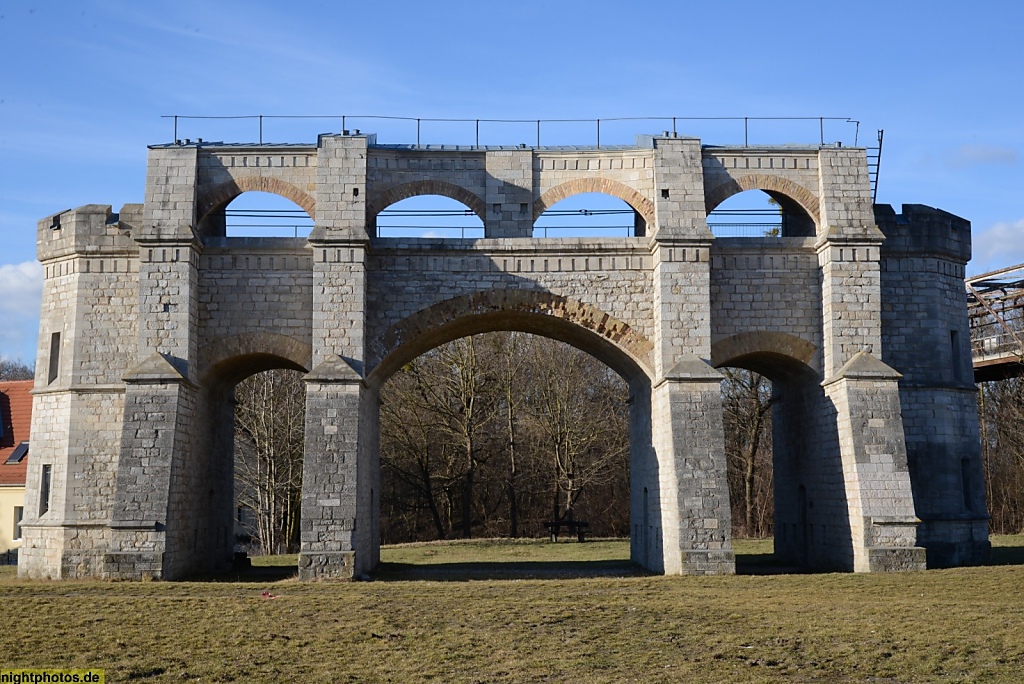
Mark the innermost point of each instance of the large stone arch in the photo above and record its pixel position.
(767, 183)
(397, 193)
(228, 360)
(642, 205)
(608, 339)
(220, 195)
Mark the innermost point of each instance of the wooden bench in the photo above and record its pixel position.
(577, 527)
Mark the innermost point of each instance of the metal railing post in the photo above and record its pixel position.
(821, 129)
(478, 134)
(261, 129)
(598, 134)
(342, 122)
(746, 133)
(673, 127)
(538, 132)
(417, 133)
(175, 128)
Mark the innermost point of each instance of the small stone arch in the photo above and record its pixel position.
(397, 193)
(642, 205)
(220, 195)
(767, 183)
(609, 339)
(228, 360)
(771, 353)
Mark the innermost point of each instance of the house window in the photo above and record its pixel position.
(44, 489)
(19, 453)
(19, 513)
(54, 358)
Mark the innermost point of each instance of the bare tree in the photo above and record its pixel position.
(269, 437)
(487, 432)
(15, 370)
(1001, 406)
(747, 403)
(580, 419)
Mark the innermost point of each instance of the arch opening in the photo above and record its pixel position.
(760, 214)
(785, 469)
(643, 206)
(257, 214)
(566, 345)
(238, 482)
(590, 214)
(427, 216)
(495, 434)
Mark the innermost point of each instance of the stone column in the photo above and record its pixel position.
(694, 492)
(692, 502)
(330, 477)
(335, 491)
(155, 443)
(861, 389)
(509, 193)
(883, 526)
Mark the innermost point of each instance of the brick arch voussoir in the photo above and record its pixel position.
(767, 183)
(606, 186)
(425, 187)
(515, 302)
(224, 193)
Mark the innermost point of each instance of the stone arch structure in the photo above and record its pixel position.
(771, 184)
(155, 327)
(219, 196)
(397, 193)
(232, 358)
(641, 205)
(766, 346)
(608, 339)
(544, 313)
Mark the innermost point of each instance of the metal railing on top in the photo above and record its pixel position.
(668, 124)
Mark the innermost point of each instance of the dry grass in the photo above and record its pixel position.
(948, 625)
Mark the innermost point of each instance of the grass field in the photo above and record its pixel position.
(601, 621)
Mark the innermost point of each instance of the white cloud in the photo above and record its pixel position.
(21, 289)
(998, 246)
(983, 155)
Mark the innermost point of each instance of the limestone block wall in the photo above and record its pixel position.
(788, 175)
(222, 174)
(766, 285)
(627, 174)
(393, 175)
(407, 275)
(89, 300)
(252, 286)
(927, 338)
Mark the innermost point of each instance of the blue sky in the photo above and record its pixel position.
(83, 86)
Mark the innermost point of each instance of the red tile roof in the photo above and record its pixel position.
(16, 417)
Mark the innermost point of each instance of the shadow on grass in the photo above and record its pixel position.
(514, 570)
(765, 564)
(259, 574)
(1007, 555)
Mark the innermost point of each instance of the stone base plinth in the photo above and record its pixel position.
(709, 562)
(319, 566)
(896, 558)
